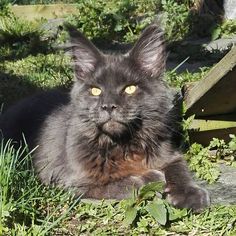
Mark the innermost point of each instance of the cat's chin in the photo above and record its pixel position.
(113, 128)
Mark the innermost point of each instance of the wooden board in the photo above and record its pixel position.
(204, 130)
(53, 11)
(213, 102)
(216, 93)
(204, 137)
(206, 125)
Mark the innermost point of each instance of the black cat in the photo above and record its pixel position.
(116, 130)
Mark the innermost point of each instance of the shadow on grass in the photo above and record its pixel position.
(16, 48)
(13, 88)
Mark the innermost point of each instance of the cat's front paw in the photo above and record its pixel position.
(191, 196)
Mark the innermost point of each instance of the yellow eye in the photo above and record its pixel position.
(130, 89)
(96, 91)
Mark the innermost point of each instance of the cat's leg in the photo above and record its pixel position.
(181, 191)
(123, 188)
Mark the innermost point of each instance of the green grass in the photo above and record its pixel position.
(29, 63)
(27, 207)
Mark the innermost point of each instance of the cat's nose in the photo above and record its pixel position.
(109, 107)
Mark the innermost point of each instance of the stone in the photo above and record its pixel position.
(223, 191)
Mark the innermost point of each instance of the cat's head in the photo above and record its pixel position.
(117, 94)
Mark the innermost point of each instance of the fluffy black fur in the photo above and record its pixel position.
(104, 145)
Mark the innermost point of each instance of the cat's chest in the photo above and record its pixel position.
(116, 165)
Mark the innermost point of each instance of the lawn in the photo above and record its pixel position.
(31, 60)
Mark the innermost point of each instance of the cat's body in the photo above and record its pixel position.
(116, 130)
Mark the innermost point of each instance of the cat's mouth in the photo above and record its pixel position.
(113, 128)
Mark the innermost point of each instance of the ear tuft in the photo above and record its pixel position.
(149, 52)
(85, 55)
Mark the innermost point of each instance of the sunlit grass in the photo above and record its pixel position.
(26, 206)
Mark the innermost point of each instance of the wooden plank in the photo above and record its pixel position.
(206, 125)
(204, 130)
(204, 137)
(216, 92)
(51, 11)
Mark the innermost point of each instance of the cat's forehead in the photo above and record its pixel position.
(112, 62)
(115, 70)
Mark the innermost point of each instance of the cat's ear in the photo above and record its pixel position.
(149, 53)
(85, 55)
